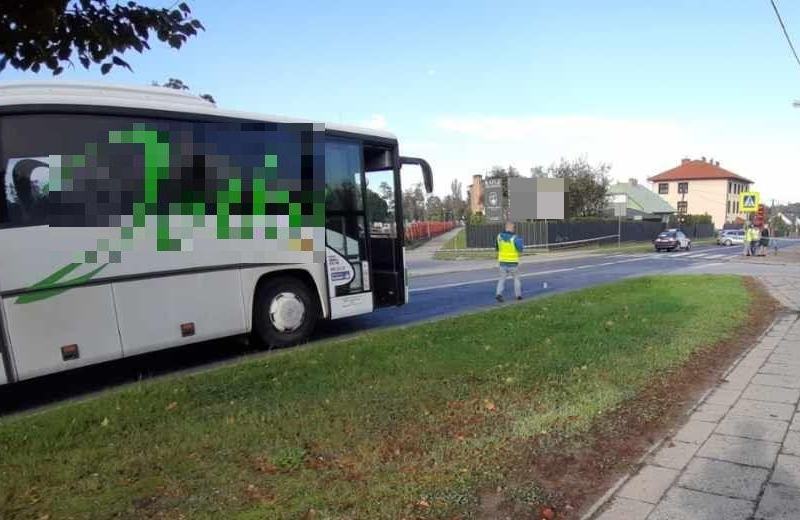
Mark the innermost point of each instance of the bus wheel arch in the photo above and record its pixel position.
(286, 308)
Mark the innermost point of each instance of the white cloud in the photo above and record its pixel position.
(377, 122)
(431, 72)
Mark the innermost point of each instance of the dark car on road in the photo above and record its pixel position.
(672, 240)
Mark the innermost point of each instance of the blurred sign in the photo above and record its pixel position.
(493, 200)
(619, 202)
(748, 201)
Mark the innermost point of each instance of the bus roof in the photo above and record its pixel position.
(16, 93)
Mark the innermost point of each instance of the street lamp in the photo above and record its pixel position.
(796, 104)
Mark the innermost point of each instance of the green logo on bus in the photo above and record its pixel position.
(157, 154)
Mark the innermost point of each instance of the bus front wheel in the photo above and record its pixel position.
(285, 313)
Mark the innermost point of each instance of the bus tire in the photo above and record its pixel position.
(285, 312)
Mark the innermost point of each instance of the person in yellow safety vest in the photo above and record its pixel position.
(753, 237)
(508, 246)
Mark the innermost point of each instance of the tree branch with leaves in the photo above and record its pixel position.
(49, 33)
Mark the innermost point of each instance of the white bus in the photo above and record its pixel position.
(134, 219)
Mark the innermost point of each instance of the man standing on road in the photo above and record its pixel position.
(508, 246)
(764, 240)
(755, 237)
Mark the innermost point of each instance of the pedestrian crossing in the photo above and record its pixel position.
(686, 255)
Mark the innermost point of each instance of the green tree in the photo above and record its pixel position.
(503, 173)
(177, 84)
(588, 185)
(454, 202)
(414, 203)
(387, 194)
(377, 208)
(48, 33)
(435, 208)
(691, 220)
(779, 227)
(476, 218)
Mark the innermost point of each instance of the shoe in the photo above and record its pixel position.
(519, 297)
(499, 298)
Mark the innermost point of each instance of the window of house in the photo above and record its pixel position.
(728, 207)
(682, 206)
(683, 187)
(663, 188)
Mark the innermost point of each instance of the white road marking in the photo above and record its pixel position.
(716, 256)
(526, 275)
(679, 254)
(703, 266)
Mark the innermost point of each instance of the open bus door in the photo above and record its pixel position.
(384, 202)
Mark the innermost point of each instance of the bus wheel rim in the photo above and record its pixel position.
(286, 312)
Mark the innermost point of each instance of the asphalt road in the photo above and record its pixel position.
(432, 297)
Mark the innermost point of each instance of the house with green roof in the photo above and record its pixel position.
(643, 204)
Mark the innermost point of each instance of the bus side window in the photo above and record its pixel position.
(26, 190)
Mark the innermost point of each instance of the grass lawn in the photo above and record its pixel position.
(406, 423)
(457, 242)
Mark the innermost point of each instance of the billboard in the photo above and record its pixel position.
(493, 202)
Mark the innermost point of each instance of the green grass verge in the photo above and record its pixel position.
(367, 427)
(457, 242)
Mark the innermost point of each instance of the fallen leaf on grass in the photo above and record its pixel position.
(489, 405)
(424, 504)
(104, 423)
(171, 406)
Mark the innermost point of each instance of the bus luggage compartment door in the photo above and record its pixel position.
(75, 328)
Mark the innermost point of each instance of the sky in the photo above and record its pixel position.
(472, 84)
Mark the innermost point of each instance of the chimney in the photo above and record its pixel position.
(716, 163)
(685, 160)
(704, 158)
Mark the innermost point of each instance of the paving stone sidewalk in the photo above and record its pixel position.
(738, 456)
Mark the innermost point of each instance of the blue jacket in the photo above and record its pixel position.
(505, 235)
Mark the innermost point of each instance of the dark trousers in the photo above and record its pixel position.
(753, 246)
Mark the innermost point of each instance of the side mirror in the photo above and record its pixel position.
(427, 174)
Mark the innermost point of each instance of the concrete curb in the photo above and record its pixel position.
(595, 508)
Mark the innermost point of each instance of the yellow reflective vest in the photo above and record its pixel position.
(506, 250)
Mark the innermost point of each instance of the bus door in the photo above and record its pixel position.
(385, 243)
(346, 262)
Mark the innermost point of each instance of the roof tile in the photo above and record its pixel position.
(696, 170)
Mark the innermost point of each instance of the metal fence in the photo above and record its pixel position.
(555, 232)
(485, 235)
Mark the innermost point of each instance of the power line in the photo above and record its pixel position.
(785, 32)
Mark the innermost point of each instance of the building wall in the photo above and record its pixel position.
(717, 197)
(476, 194)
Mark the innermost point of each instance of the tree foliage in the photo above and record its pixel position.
(779, 227)
(588, 184)
(377, 208)
(498, 172)
(177, 84)
(414, 203)
(48, 33)
(690, 220)
(454, 206)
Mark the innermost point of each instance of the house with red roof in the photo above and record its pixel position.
(700, 187)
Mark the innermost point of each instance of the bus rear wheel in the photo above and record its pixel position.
(285, 313)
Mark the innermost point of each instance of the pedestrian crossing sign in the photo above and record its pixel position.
(748, 201)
